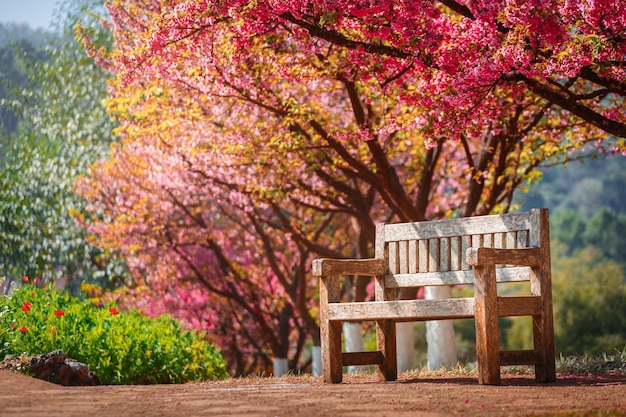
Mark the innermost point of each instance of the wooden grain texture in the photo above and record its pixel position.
(457, 227)
(519, 357)
(364, 267)
(486, 256)
(330, 331)
(362, 358)
(386, 344)
(487, 329)
(541, 285)
(402, 309)
(513, 274)
(480, 252)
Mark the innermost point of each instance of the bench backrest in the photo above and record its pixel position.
(433, 252)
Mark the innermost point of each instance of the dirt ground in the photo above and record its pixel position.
(307, 396)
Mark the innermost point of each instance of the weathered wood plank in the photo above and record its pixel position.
(522, 239)
(466, 243)
(498, 240)
(362, 358)
(455, 253)
(541, 284)
(403, 257)
(408, 310)
(422, 265)
(518, 357)
(413, 260)
(514, 274)
(526, 305)
(444, 254)
(402, 309)
(330, 331)
(456, 227)
(380, 247)
(386, 344)
(392, 249)
(485, 256)
(511, 240)
(380, 292)
(433, 255)
(436, 253)
(487, 328)
(366, 267)
(476, 241)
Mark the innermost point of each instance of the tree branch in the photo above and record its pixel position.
(563, 100)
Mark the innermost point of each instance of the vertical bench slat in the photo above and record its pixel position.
(393, 257)
(476, 241)
(455, 253)
(423, 255)
(522, 239)
(433, 255)
(413, 260)
(403, 256)
(511, 240)
(498, 240)
(466, 242)
(444, 254)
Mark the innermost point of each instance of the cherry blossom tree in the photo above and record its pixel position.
(454, 54)
(256, 136)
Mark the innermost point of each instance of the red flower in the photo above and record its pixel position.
(59, 313)
(114, 311)
(26, 306)
(14, 326)
(25, 278)
(24, 329)
(36, 281)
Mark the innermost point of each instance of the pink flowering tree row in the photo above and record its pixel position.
(255, 137)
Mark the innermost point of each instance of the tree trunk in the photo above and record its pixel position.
(316, 360)
(405, 345)
(281, 367)
(440, 334)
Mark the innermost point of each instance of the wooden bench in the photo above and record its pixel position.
(497, 248)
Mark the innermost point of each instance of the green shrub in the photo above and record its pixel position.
(119, 347)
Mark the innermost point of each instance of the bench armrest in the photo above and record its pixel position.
(366, 267)
(520, 257)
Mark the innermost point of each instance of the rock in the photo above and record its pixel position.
(13, 363)
(56, 367)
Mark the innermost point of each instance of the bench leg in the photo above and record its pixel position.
(330, 331)
(331, 351)
(544, 343)
(487, 328)
(386, 343)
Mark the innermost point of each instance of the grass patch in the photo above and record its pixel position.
(607, 363)
(604, 364)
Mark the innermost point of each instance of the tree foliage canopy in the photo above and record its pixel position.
(257, 135)
(63, 127)
(461, 61)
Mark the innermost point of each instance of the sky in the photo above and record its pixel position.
(36, 13)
